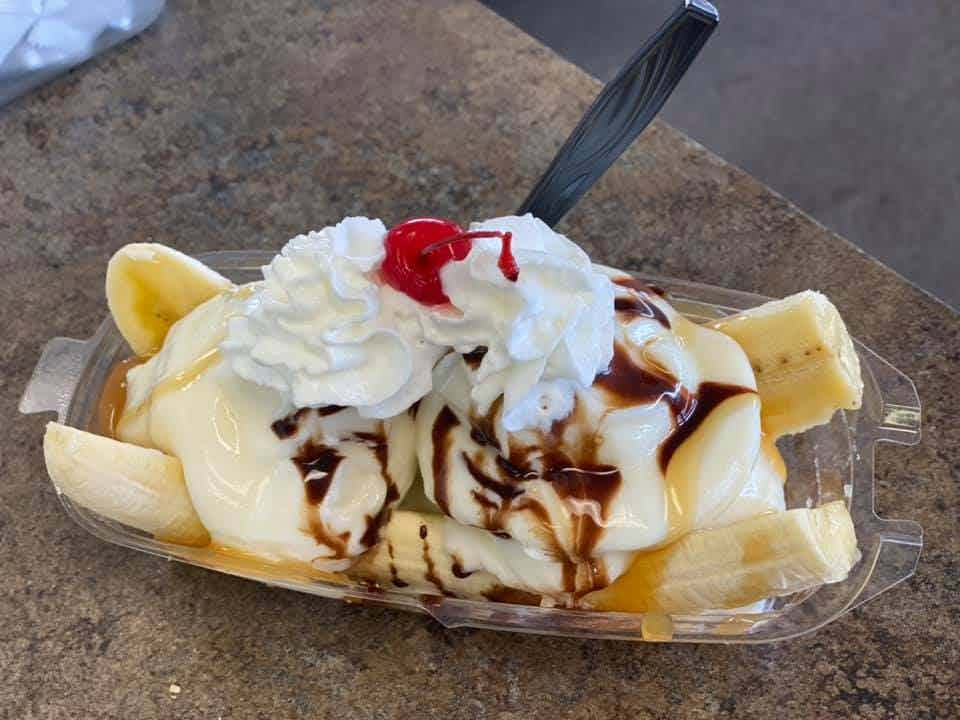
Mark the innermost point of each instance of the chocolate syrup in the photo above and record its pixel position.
(431, 573)
(638, 306)
(709, 395)
(588, 486)
(288, 426)
(378, 443)
(371, 535)
(394, 576)
(336, 543)
(627, 384)
(313, 458)
(483, 428)
(475, 356)
(569, 576)
(457, 569)
(481, 438)
(318, 463)
(325, 410)
(506, 490)
(442, 426)
(641, 287)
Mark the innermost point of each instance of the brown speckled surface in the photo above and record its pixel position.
(238, 129)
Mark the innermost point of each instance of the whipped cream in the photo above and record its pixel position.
(546, 334)
(322, 330)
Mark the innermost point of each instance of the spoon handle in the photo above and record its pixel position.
(622, 110)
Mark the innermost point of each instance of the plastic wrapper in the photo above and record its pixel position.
(39, 39)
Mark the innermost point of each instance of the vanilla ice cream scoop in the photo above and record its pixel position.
(313, 485)
(663, 441)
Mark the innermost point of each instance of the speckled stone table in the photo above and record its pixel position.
(239, 129)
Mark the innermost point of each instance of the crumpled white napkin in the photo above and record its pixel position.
(40, 39)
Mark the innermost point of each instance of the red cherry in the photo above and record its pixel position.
(409, 269)
(418, 248)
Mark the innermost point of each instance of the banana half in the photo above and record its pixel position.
(803, 358)
(769, 555)
(150, 286)
(140, 487)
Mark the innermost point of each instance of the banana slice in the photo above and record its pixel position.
(773, 554)
(412, 556)
(804, 360)
(137, 486)
(433, 554)
(150, 287)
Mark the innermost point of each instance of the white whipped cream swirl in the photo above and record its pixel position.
(548, 333)
(322, 330)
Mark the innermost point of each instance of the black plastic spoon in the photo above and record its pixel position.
(622, 110)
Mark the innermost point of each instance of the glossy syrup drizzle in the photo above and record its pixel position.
(318, 462)
(639, 303)
(178, 381)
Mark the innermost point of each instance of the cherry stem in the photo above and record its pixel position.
(468, 235)
(506, 262)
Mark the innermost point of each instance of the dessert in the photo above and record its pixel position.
(479, 413)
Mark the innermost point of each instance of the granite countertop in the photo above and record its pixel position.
(239, 129)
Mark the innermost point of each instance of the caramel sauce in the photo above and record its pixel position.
(503, 594)
(180, 381)
(233, 560)
(113, 396)
(768, 447)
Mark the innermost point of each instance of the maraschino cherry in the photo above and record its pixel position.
(418, 248)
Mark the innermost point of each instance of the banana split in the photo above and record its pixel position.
(479, 413)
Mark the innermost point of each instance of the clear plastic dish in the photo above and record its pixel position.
(832, 462)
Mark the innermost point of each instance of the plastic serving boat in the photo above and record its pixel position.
(831, 462)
